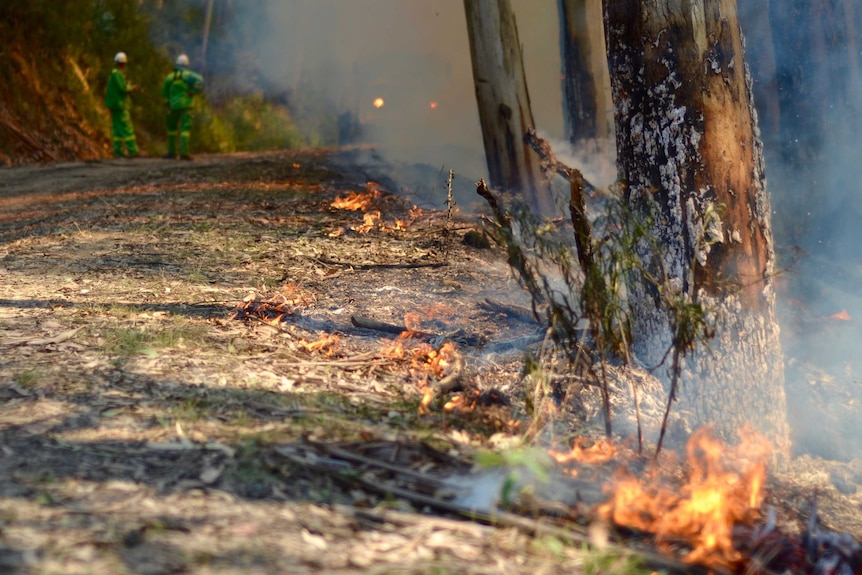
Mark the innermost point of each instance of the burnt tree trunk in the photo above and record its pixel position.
(817, 72)
(689, 153)
(760, 56)
(504, 102)
(587, 106)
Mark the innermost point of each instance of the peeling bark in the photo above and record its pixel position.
(504, 102)
(692, 160)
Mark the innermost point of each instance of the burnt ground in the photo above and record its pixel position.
(187, 385)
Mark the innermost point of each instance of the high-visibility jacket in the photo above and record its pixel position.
(180, 87)
(117, 92)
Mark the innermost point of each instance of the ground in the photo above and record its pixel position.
(201, 372)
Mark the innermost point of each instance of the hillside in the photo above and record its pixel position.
(47, 113)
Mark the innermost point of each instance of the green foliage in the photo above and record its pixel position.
(248, 123)
(586, 299)
(59, 55)
(599, 563)
(524, 467)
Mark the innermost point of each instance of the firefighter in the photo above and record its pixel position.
(118, 102)
(179, 91)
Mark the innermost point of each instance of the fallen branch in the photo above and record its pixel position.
(373, 324)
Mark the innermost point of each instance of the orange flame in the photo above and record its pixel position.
(599, 452)
(841, 315)
(354, 201)
(369, 222)
(724, 487)
(327, 344)
(379, 102)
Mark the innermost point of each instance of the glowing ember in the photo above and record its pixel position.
(412, 321)
(841, 315)
(378, 103)
(432, 105)
(724, 487)
(599, 452)
(327, 344)
(273, 311)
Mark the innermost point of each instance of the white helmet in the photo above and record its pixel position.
(182, 60)
(120, 58)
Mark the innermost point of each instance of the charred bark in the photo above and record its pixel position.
(504, 102)
(587, 106)
(692, 161)
(818, 73)
(760, 56)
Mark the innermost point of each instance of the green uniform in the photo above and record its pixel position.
(118, 102)
(179, 91)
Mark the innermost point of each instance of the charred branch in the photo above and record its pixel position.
(577, 203)
(373, 324)
(400, 330)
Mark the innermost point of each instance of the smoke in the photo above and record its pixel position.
(805, 59)
(412, 54)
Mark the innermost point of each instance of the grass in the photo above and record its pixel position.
(132, 341)
(28, 377)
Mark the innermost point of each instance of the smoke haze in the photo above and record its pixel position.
(414, 54)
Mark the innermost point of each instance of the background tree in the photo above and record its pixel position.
(587, 106)
(692, 164)
(504, 103)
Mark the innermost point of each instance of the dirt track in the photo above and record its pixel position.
(146, 430)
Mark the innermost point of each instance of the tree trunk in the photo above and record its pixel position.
(504, 103)
(760, 56)
(689, 153)
(587, 105)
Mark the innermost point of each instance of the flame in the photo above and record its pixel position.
(841, 316)
(599, 452)
(379, 103)
(724, 487)
(432, 105)
(272, 311)
(354, 201)
(327, 344)
(369, 222)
